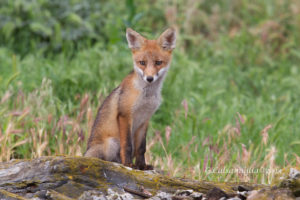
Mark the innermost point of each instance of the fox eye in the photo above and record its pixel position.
(158, 62)
(142, 62)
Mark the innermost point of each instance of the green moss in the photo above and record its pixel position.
(5, 194)
(57, 196)
(283, 178)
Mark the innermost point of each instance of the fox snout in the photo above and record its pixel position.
(147, 76)
(150, 74)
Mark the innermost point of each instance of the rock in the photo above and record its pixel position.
(187, 194)
(271, 194)
(243, 188)
(52, 194)
(91, 178)
(92, 195)
(184, 192)
(197, 195)
(9, 196)
(216, 194)
(286, 186)
(294, 173)
(288, 178)
(117, 195)
(162, 195)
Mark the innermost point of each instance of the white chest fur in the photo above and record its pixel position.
(144, 109)
(146, 104)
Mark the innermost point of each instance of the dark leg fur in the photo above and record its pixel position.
(128, 149)
(140, 151)
(140, 155)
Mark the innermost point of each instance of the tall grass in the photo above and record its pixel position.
(36, 124)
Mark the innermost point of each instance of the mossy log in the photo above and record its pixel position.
(80, 178)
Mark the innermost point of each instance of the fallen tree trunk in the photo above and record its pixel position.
(85, 178)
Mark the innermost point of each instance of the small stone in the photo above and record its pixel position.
(243, 195)
(126, 196)
(294, 173)
(197, 195)
(112, 194)
(234, 198)
(92, 195)
(271, 193)
(183, 192)
(162, 195)
(154, 198)
(216, 194)
(243, 188)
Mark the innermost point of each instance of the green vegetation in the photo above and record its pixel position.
(231, 97)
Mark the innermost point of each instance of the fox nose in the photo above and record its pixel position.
(149, 79)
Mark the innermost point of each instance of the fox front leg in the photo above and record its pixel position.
(140, 148)
(125, 141)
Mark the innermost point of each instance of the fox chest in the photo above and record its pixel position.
(144, 107)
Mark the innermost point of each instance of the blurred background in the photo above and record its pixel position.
(231, 97)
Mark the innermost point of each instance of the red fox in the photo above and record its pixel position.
(119, 130)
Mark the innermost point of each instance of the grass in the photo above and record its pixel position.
(231, 97)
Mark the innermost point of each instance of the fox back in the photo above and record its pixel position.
(119, 130)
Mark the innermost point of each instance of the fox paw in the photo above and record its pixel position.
(149, 167)
(144, 167)
(130, 165)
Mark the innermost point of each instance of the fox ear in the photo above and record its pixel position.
(167, 40)
(134, 39)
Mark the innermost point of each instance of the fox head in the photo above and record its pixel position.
(151, 58)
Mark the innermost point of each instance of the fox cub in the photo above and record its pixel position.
(119, 130)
